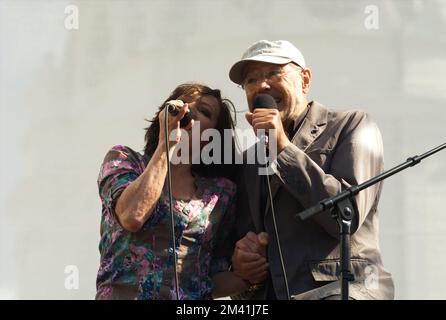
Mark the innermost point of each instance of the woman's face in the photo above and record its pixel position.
(204, 109)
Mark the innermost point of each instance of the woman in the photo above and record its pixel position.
(136, 249)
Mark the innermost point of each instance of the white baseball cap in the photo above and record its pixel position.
(276, 52)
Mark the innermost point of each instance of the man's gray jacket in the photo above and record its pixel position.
(331, 151)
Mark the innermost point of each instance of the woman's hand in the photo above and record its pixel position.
(173, 121)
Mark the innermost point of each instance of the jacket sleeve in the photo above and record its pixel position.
(356, 157)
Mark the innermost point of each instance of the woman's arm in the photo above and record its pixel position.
(137, 202)
(227, 284)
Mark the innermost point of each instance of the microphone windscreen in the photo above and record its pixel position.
(264, 100)
(186, 120)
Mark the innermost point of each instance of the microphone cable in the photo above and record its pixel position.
(172, 219)
(263, 100)
(273, 214)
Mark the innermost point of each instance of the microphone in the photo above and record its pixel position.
(173, 110)
(265, 101)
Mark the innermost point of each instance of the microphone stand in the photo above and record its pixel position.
(342, 210)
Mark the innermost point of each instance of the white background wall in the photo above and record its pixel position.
(67, 96)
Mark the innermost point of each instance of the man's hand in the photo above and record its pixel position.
(249, 258)
(268, 119)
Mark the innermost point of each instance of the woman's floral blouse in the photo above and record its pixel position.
(139, 265)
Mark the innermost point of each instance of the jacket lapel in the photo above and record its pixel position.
(313, 125)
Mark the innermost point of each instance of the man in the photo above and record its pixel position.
(320, 152)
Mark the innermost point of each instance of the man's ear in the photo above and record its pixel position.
(306, 80)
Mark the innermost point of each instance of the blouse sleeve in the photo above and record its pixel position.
(121, 166)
